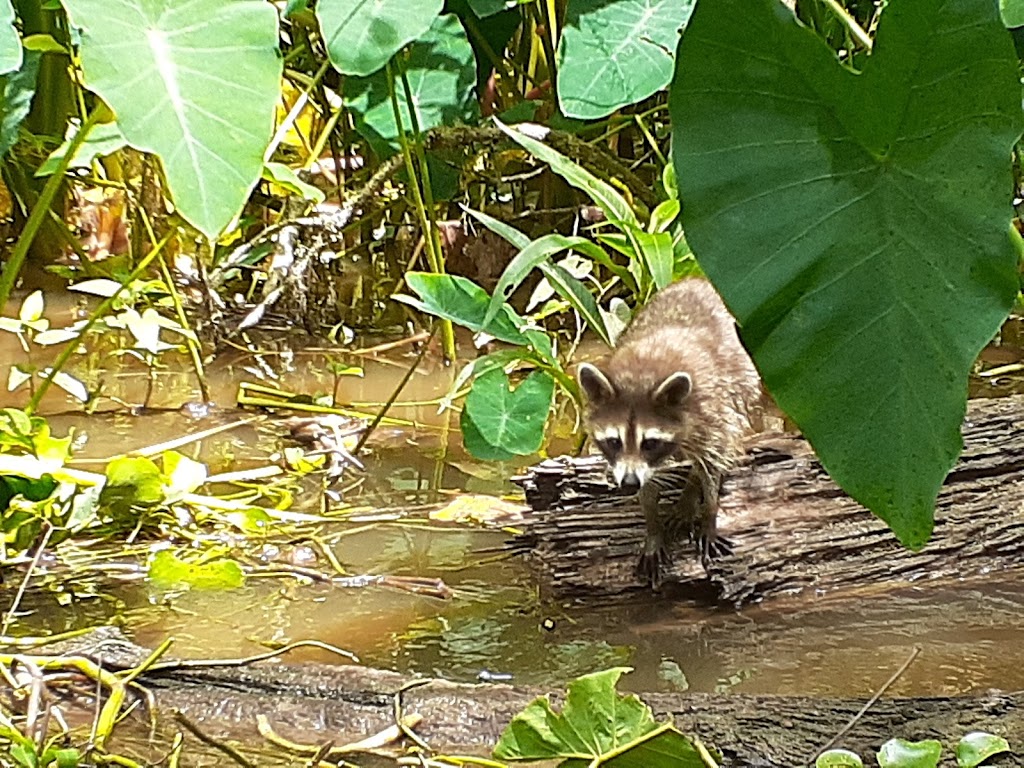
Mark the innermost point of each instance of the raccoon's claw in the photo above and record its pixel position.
(653, 564)
(712, 546)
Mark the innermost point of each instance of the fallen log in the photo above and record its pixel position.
(313, 704)
(791, 527)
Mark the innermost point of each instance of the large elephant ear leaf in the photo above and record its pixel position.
(856, 223)
(196, 84)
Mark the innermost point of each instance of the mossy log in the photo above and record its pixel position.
(792, 529)
(314, 704)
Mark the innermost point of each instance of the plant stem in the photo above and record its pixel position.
(430, 234)
(41, 210)
(850, 23)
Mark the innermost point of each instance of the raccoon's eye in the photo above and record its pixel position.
(651, 444)
(613, 443)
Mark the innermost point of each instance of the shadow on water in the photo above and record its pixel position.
(495, 620)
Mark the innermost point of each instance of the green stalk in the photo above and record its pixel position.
(103, 308)
(855, 29)
(430, 235)
(41, 210)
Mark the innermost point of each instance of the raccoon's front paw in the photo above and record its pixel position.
(654, 563)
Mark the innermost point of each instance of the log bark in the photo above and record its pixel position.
(313, 703)
(791, 527)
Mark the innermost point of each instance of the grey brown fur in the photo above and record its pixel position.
(679, 387)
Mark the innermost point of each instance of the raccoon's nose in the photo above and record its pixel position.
(630, 481)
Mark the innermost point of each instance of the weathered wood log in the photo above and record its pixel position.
(791, 527)
(315, 703)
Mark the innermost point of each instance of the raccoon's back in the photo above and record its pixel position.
(687, 327)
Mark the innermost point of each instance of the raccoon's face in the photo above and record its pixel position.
(636, 433)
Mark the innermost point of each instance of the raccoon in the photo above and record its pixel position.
(678, 389)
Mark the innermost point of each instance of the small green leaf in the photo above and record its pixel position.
(1012, 12)
(655, 251)
(31, 308)
(897, 753)
(838, 758)
(131, 481)
(103, 140)
(67, 758)
(17, 90)
(508, 420)
(183, 475)
(285, 177)
(977, 747)
(462, 301)
(595, 722)
(167, 570)
(611, 202)
(664, 214)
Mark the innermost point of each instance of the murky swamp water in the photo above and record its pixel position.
(496, 620)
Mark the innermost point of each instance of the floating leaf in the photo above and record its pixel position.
(838, 758)
(167, 571)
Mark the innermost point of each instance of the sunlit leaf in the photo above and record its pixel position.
(183, 475)
(977, 747)
(477, 508)
(595, 723)
(166, 570)
(838, 758)
(16, 377)
(193, 82)
(617, 53)
(31, 308)
(897, 753)
(611, 202)
(74, 387)
(286, 178)
(10, 42)
(132, 481)
(104, 139)
(99, 286)
(361, 38)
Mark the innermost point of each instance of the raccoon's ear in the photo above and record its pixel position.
(595, 384)
(673, 391)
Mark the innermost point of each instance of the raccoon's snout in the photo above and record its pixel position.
(629, 477)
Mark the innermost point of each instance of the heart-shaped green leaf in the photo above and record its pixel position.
(362, 36)
(614, 54)
(441, 72)
(195, 83)
(856, 224)
(499, 422)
